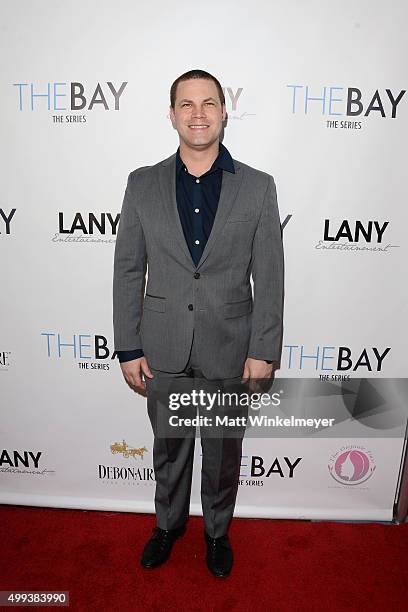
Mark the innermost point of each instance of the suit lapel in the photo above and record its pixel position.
(229, 190)
(167, 181)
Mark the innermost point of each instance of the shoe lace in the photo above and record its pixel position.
(216, 544)
(161, 535)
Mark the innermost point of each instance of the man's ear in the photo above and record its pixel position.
(171, 114)
(224, 112)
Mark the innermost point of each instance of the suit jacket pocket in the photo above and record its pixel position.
(154, 302)
(239, 218)
(237, 309)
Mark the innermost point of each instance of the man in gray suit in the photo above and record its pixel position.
(200, 223)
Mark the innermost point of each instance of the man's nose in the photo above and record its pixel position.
(198, 111)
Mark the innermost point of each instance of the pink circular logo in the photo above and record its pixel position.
(351, 465)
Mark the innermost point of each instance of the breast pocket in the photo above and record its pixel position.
(242, 218)
(237, 309)
(154, 302)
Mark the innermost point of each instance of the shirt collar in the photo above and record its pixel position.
(223, 160)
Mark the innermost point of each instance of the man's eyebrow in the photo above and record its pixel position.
(206, 100)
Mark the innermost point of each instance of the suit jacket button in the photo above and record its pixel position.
(196, 275)
(190, 307)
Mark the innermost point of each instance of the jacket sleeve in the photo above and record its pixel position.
(267, 267)
(129, 273)
(129, 355)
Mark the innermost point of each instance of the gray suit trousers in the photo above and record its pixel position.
(173, 459)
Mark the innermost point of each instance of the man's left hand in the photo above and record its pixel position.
(255, 370)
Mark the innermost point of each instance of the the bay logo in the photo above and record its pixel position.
(92, 351)
(259, 468)
(343, 359)
(63, 96)
(332, 101)
(5, 220)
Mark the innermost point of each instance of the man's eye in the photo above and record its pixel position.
(210, 103)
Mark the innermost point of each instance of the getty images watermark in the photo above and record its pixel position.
(282, 407)
(222, 399)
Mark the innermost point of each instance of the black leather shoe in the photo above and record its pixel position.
(219, 555)
(158, 548)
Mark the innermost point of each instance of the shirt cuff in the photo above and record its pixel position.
(129, 355)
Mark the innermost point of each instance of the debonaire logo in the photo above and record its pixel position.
(351, 465)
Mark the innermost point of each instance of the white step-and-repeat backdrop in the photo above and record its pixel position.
(316, 97)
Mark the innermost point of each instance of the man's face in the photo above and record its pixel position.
(198, 113)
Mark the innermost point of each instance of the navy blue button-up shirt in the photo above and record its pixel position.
(197, 203)
(197, 200)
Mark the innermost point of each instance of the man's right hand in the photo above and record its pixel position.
(132, 371)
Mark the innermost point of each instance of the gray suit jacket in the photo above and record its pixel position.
(214, 300)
